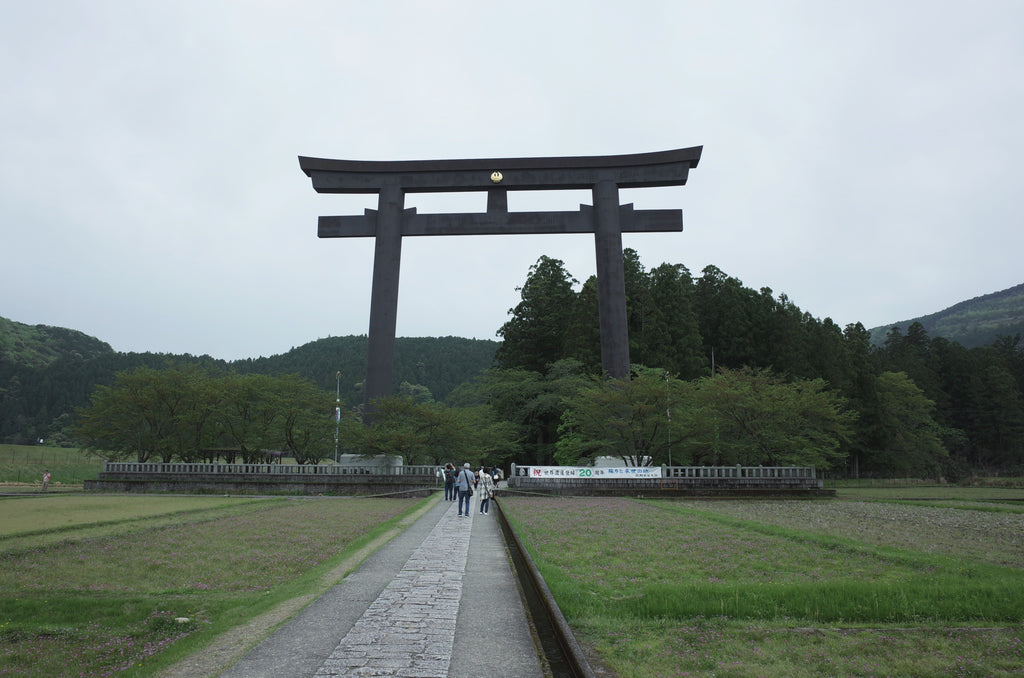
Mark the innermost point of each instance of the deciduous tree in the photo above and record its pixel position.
(904, 438)
(755, 417)
(624, 418)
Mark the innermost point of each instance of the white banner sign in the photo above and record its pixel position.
(589, 472)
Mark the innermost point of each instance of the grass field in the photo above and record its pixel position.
(881, 581)
(786, 588)
(102, 585)
(22, 466)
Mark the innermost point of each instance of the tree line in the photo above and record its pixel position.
(722, 374)
(916, 405)
(38, 397)
(191, 414)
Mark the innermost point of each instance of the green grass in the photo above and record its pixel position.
(22, 466)
(942, 599)
(783, 588)
(649, 648)
(102, 596)
(75, 511)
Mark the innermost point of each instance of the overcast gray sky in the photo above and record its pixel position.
(860, 157)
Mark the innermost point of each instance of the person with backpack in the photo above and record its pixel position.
(449, 482)
(465, 485)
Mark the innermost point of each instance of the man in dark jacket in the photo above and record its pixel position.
(465, 485)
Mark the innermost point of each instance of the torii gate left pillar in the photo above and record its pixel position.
(390, 222)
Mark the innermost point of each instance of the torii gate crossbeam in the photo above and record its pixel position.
(391, 221)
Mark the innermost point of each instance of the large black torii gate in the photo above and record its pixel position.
(606, 219)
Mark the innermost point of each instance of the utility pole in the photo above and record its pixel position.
(668, 416)
(337, 414)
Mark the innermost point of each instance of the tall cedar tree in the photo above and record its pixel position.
(535, 336)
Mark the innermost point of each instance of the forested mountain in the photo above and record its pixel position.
(973, 323)
(47, 372)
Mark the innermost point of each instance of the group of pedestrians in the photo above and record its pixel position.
(460, 485)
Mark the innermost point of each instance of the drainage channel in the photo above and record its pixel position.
(562, 653)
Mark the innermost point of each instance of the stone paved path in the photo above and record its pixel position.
(438, 601)
(410, 629)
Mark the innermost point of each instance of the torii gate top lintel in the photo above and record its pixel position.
(662, 168)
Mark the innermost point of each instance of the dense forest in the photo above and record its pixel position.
(723, 374)
(921, 405)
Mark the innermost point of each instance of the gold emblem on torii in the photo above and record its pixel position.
(496, 177)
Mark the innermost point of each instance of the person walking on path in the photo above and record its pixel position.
(46, 480)
(465, 483)
(486, 491)
(449, 482)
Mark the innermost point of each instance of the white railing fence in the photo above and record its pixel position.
(598, 473)
(268, 469)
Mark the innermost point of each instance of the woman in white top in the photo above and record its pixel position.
(486, 491)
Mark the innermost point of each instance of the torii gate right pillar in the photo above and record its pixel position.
(611, 281)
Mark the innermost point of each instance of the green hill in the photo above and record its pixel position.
(439, 363)
(48, 372)
(40, 345)
(973, 323)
